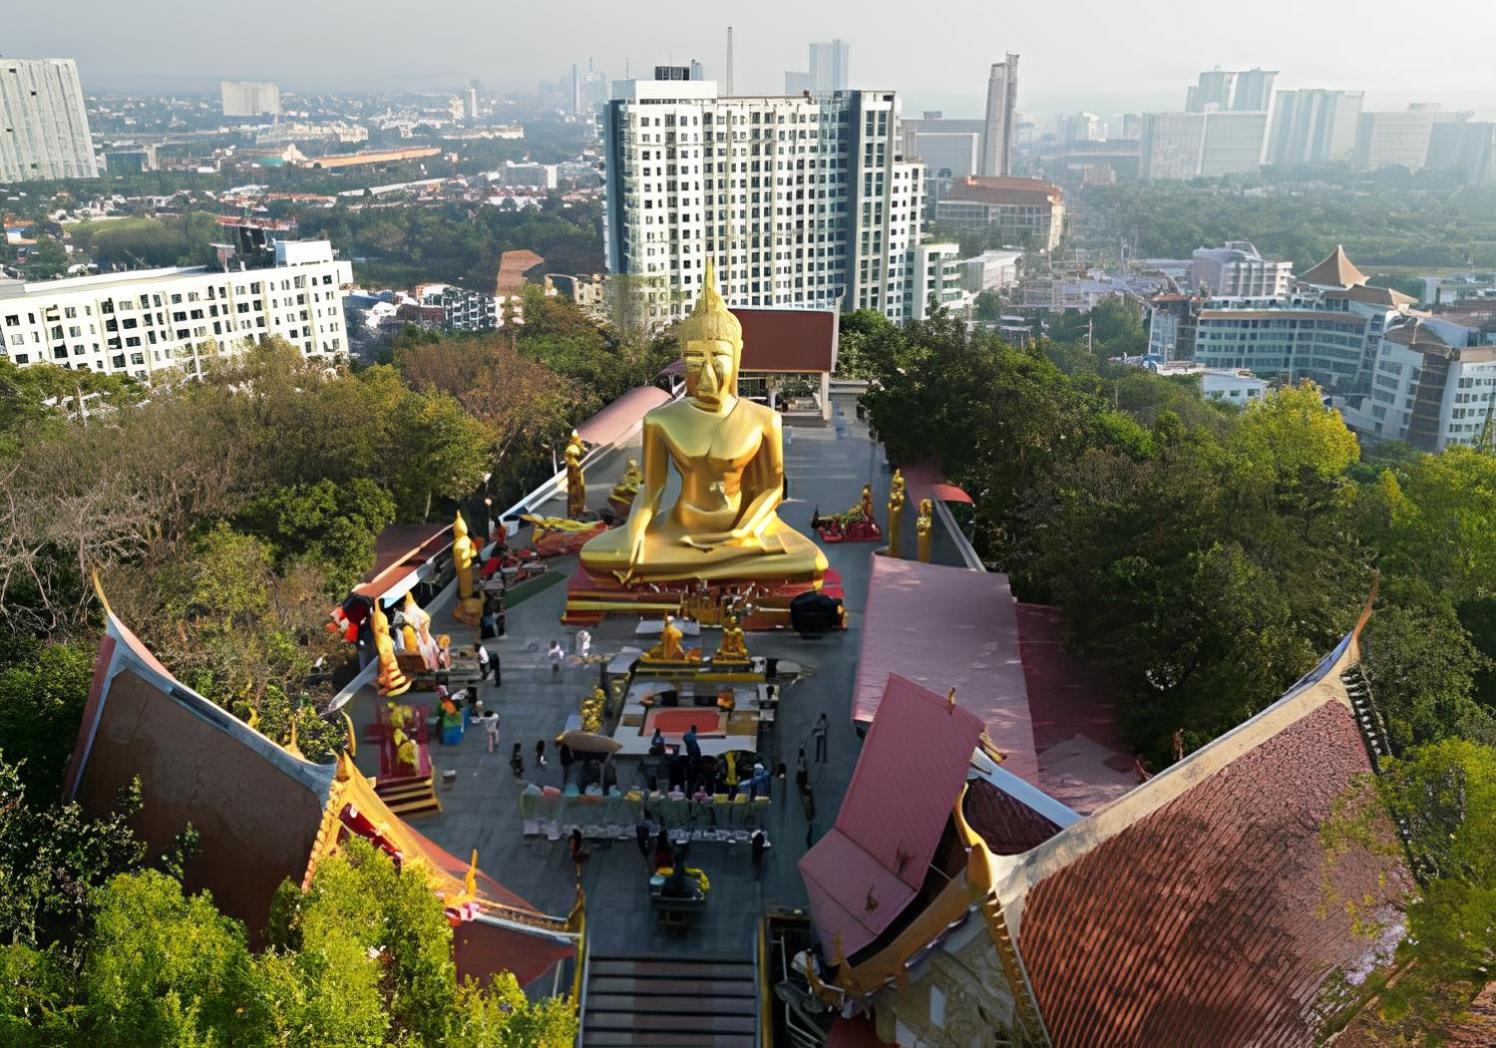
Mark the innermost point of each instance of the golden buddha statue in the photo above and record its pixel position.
(729, 453)
(628, 484)
(734, 646)
(865, 505)
(391, 680)
(924, 527)
(576, 481)
(895, 511)
(469, 607)
(670, 648)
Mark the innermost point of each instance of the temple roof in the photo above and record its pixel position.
(614, 421)
(1194, 909)
(788, 340)
(873, 861)
(1335, 271)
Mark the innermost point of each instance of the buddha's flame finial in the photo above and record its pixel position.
(710, 319)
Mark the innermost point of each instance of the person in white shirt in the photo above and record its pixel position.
(557, 655)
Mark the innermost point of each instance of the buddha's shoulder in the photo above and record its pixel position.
(760, 414)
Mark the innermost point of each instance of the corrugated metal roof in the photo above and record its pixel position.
(615, 420)
(788, 340)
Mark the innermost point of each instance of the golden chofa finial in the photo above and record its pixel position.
(470, 879)
(950, 701)
(711, 320)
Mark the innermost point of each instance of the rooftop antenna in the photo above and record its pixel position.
(729, 61)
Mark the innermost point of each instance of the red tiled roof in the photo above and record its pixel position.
(1203, 920)
(948, 628)
(399, 550)
(802, 340)
(863, 873)
(1005, 190)
(615, 420)
(513, 265)
(1007, 824)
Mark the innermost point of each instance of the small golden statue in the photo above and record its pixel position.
(924, 527)
(670, 648)
(734, 646)
(469, 607)
(391, 681)
(407, 759)
(628, 484)
(418, 633)
(576, 480)
(592, 710)
(895, 511)
(729, 453)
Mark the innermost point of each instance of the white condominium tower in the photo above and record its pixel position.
(153, 320)
(1002, 106)
(249, 98)
(43, 125)
(800, 201)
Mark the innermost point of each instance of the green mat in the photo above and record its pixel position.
(522, 591)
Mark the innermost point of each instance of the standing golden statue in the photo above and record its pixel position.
(469, 606)
(865, 505)
(576, 480)
(895, 511)
(391, 681)
(924, 527)
(729, 453)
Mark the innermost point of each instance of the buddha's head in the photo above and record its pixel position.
(711, 344)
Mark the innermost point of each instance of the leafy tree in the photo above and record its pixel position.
(164, 968)
(330, 525)
(52, 857)
(1290, 432)
(442, 450)
(42, 691)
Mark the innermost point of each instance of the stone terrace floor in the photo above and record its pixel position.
(826, 465)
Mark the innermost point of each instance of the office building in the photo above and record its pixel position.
(991, 270)
(694, 71)
(1434, 386)
(1326, 329)
(249, 98)
(800, 201)
(1312, 126)
(147, 322)
(1400, 139)
(472, 105)
(45, 133)
(1238, 269)
(461, 309)
(1082, 127)
(829, 64)
(1023, 211)
(1201, 144)
(938, 281)
(589, 90)
(1245, 91)
(998, 129)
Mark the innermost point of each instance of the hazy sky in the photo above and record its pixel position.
(1103, 55)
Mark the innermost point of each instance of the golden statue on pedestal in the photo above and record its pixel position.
(895, 511)
(734, 646)
(391, 680)
(671, 648)
(730, 456)
(628, 484)
(924, 527)
(469, 606)
(576, 481)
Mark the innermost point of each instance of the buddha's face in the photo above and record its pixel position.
(711, 371)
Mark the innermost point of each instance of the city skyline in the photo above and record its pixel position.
(1132, 65)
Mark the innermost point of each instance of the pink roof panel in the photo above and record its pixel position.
(943, 628)
(614, 421)
(908, 777)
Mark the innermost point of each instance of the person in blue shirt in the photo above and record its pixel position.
(693, 748)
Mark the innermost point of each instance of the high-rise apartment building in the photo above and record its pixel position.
(249, 98)
(1434, 385)
(45, 130)
(829, 62)
(589, 90)
(1243, 91)
(800, 201)
(1400, 139)
(1311, 126)
(148, 321)
(1195, 145)
(694, 71)
(1002, 104)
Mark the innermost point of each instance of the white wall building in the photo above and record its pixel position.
(1239, 269)
(1434, 385)
(939, 281)
(152, 320)
(1002, 113)
(1399, 139)
(800, 201)
(992, 270)
(1313, 127)
(1195, 145)
(44, 133)
(249, 98)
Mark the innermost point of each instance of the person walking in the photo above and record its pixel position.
(517, 762)
(693, 748)
(818, 733)
(760, 842)
(557, 655)
(502, 619)
(584, 644)
(485, 664)
(802, 773)
(641, 837)
(491, 726)
(540, 754)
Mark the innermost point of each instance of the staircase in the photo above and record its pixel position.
(409, 797)
(656, 1001)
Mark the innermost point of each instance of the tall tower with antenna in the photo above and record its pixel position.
(729, 62)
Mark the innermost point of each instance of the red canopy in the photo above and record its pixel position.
(947, 492)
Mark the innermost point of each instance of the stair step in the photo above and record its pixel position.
(653, 969)
(701, 1022)
(685, 1005)
(643, 988)
(660, 1039)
